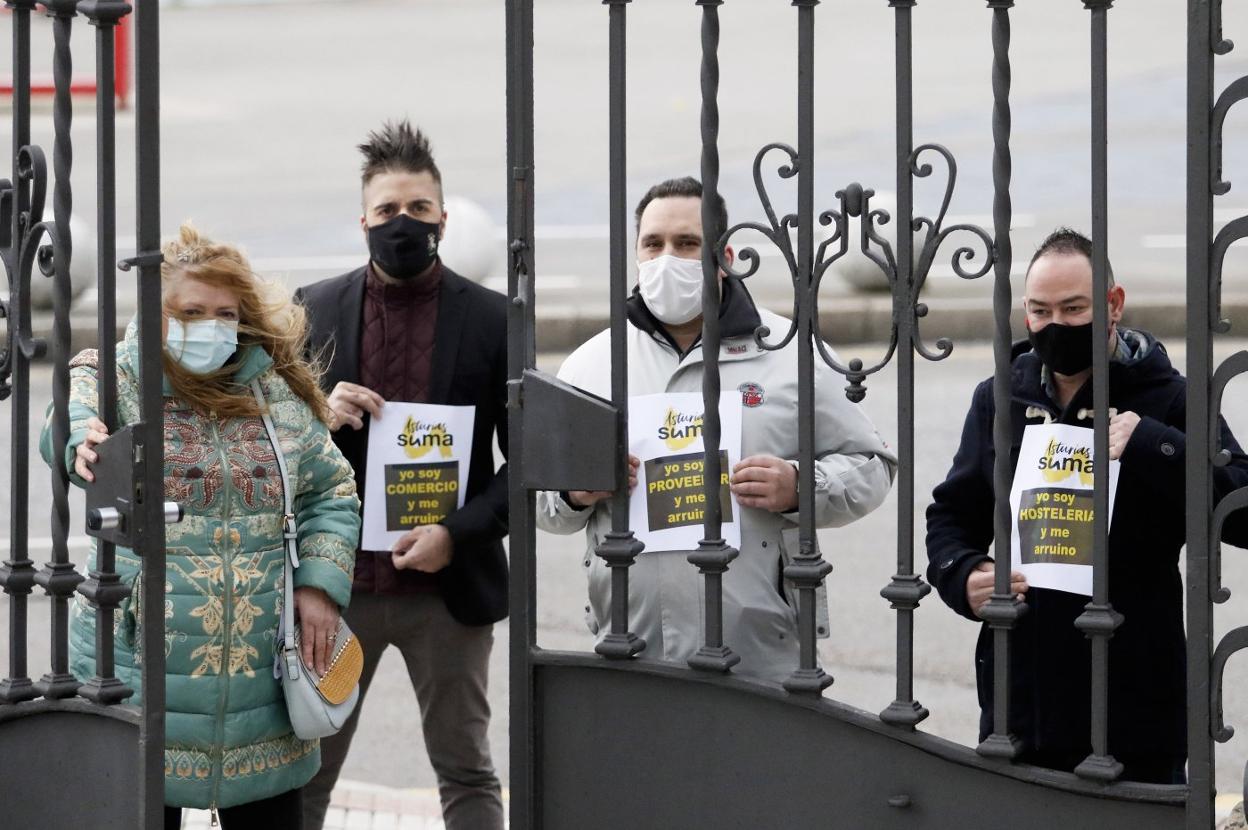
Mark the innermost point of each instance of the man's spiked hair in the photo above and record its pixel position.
(396, 147)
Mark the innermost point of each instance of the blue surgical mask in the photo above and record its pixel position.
(202, 346)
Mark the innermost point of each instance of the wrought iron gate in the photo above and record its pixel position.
(73, 754)
(828, 764)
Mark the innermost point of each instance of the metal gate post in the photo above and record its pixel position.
(59, 577)
(1099, 619)
(713, 554)
(620, 547)
(1199, 368)
(150, 437)
(18, 573)
(808, 568)
(1003, 609)
(103, 586)
(906, 589)
(521, 353)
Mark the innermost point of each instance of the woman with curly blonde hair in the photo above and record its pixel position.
(229, 744)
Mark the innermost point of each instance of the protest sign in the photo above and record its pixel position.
(1051, 504)
(667, 508)
(418, 456)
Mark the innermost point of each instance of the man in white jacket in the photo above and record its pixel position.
(854, 468)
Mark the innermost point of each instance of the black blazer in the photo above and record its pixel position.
(469, 368)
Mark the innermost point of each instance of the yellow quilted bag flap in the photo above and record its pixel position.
(345, 667)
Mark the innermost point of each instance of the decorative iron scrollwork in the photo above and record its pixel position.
(855, 202)
(20, 255)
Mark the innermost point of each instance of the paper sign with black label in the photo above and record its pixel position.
(418, 457)
(1052, 527)
(674, 491)
(668, 507)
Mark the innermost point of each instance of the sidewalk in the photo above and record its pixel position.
(360, 806)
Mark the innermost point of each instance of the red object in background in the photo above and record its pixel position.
(85, 86)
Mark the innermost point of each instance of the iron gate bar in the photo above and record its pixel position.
(1200, 751)
(906, 589)
(59, 578)
(1200, 229)
(104, 587)
(620, 548)
(149, 495)
(808, 568)
(521, 355)
(18, 573)
(1003, 608)
(1099, 619)
(713, 554)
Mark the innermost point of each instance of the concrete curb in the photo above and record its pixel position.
(848, 321)
(869, 320)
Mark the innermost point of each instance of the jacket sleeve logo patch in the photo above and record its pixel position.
(751, 394)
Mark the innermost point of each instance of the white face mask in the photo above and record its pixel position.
(202, 346)
(671, 288)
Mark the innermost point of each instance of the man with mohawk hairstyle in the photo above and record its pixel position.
(397, 329)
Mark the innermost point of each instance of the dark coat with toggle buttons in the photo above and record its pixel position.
(1050, 677)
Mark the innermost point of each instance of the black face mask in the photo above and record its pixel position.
(1066, 350)
(404, 247)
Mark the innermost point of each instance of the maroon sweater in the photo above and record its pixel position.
(396, 362)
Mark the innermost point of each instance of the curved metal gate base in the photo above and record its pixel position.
(69, 765)
(728, 753)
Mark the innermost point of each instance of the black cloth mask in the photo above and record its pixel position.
(1066, 350)
(404, 247)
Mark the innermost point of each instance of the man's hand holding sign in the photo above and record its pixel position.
(416, 476)
(765, 482)
(348, 403)
(427, 549)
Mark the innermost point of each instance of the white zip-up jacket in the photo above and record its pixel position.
(853, 473)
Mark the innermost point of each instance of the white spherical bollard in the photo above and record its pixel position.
(81, 266)
(472, 246)
(855, 268)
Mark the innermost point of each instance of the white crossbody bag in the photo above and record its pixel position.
(318, 706)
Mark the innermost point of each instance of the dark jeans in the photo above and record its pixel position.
(448, 664)
(281, 812)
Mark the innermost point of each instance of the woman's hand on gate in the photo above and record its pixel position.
(318, 624)
(85, 454)
(580, 499)
(980, 583)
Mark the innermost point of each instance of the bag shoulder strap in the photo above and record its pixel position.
(289, 528)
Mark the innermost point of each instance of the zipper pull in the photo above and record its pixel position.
(216, 822)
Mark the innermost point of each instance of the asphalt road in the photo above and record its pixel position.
(859, 654)
(262, 104)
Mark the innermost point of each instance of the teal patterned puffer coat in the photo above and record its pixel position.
(228, 738)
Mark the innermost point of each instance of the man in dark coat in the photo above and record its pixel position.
(406, 328)
(1050, 674)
